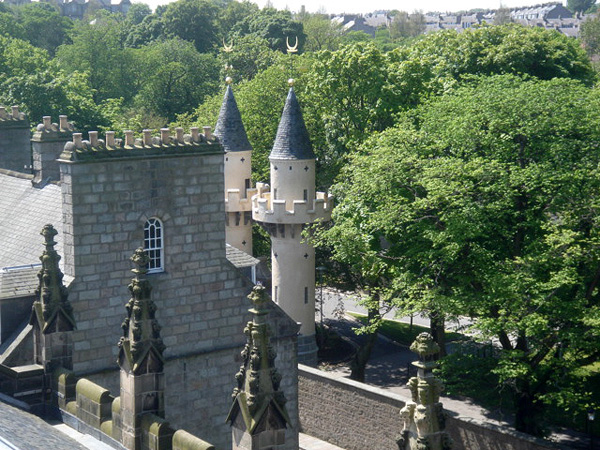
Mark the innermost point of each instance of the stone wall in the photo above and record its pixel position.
(356, 416)
(203, 384)
(15, 149)
(200, 297)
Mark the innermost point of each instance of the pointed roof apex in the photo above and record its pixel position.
(292, 141)
(51, 309)
(230, 128)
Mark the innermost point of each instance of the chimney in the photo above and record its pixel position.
(47, 144)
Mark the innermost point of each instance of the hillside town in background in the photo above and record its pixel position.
(553, 16)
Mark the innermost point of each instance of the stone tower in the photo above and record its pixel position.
(238, 164)
(284, 212)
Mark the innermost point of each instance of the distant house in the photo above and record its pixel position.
(544, 12)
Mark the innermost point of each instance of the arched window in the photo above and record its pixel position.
(154, 244)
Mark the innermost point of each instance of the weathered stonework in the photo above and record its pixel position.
(424, 417)
(15, 149)
(47, 144)
(258, 415)
(110, 189)
(52, 314)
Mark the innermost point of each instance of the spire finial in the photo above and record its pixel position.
(141, 344)
(228, 80)
(55, 311)
(258, 380)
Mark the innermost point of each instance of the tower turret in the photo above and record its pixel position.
(238, 164)
(292, 204)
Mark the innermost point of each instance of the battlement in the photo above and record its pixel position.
(265, 209)
(235, 203)
(48, 131)
(13, 118)
(146, 146)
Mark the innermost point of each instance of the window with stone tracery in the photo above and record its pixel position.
(154, 244)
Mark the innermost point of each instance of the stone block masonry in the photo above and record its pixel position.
(15, 149)
(110, 189)
(356, 416)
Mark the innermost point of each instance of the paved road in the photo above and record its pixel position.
(389, 362)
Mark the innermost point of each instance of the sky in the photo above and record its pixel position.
(362, 6)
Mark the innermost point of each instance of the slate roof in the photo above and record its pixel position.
(20, 282)
(230, 128)
(239, 258)
(24, 210)
(292, 141)
(19, 430)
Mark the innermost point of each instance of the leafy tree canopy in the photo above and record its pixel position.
(580, 6)
(511, 48)
(194, 21)
(274, 26)
(43, 25)
(484, 203)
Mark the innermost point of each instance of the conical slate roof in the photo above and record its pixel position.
(292, 141)
(230, 129)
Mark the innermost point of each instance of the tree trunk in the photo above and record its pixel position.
(528, 414)
(361, 358)
(436, 325)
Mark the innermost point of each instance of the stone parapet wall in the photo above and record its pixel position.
(265, 209)
(356, 416)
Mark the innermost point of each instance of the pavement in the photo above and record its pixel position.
(390, 366)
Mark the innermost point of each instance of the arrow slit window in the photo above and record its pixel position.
(154, 244)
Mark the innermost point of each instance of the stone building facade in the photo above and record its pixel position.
(164, 193)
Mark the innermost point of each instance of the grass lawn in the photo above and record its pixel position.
(402, 332)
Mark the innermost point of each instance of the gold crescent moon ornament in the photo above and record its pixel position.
(291, 49)
(227, 48)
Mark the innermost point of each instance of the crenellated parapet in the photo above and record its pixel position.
(13, 118)
(145, 146)
(236, 203)
(266, 209)
(49, 132)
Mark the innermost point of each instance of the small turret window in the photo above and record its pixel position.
(154, 244)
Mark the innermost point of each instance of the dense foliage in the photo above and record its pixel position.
(483, 203)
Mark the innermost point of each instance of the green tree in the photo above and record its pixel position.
(511, 48)
(589, 34)
(406, 25)
(249, 55)
(175, 77)
(321, 33)
(194, 21)
(483, 203)
(274, 26)
(137, 13)
(149, 30)
(98, 50)
(580, 6)
(342, 109)
(43, 25)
